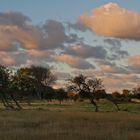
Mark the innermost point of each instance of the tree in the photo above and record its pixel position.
(126, 95)
(114, 98)
(72, 96)
(49, 93)
(92, 89)
(136, 92)
(42, 77)
(86, 87)
(4, 81)
(6, 88)
(61, 95)
(126, 92)
(94, 85)
(23, 83)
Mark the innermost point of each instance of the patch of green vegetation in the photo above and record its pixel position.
(104, 106)
(131, 107)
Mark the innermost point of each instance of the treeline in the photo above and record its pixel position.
(35, 83)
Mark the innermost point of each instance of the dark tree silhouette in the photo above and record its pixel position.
(92, 89)
(61, 95)
(4, 82)
(86, 87)
(136, 92)
(7, 89)
(23, 83)
(42, 77)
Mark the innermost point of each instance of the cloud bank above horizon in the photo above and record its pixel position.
(53, 43)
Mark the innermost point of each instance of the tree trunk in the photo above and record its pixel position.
(117, 106)
(6, 103)
(115, 103)
(60, 102)
(94, 103)
(29, 101)
(17, 104)
(38, 95)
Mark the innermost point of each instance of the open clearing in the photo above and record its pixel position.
(70, 122)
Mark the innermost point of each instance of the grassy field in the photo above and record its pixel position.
(86, 106)
(73, 121)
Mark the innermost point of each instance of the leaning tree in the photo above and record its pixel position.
(91, 88)
(6, 88)
(86, 87)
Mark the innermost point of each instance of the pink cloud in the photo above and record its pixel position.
(37, 53)
(74, 62)
(134, 60)
(9, 34)
(114, 21)
(6, 59)
(120, 82)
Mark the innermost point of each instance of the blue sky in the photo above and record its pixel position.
(105, 43)
(65, 10)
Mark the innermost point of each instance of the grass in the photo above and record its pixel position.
(86, 106)
(73, 121)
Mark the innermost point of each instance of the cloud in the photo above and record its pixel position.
(120, 82)
(77, 26)
(114, 69)
(14, 18)
(113, 42)
(24, 57)
(62, 75)
(50, 43)
(134, 60)
(55, 35)
(115, 48)
(23, 42)
(6, 59)
(74, 62)
(16, 28)
(86, 51)
(109, 67)
(113, 21)
(27, 38)
(112, 50)
(104, 62)
(117, 84)
(134, 64)
(39, 53)
(89, 72)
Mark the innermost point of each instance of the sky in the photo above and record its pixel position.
(91, 37)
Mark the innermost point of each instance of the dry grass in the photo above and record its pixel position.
(68, 125)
